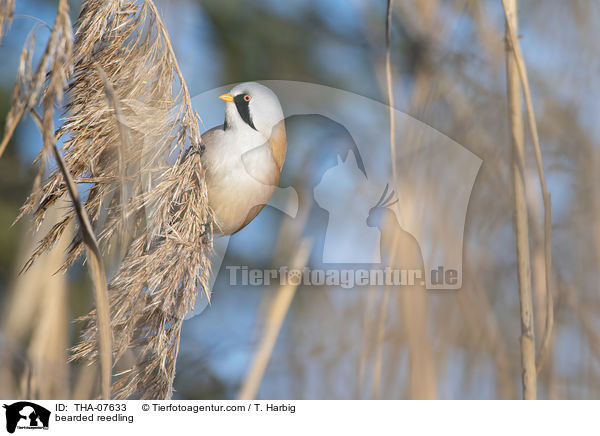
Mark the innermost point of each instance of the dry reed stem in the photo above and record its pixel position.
(481, 320)
(367, 326)
(96, 264)
(378, 363)
(521, 225)
(37, 313)
(7, 10)
(389, 85)
(382, 319)
(277, 312)
(516, 51)
(420, 356)
(128, 110)
(49, 341)
(385, 296)
(29, 84)
(413, 301)
(49, 81)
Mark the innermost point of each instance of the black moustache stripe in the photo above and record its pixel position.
(243, 109)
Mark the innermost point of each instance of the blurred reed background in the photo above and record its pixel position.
(448, 65)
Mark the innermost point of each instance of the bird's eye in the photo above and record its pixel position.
(247, 97)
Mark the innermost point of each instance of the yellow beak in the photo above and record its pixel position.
(226, 97)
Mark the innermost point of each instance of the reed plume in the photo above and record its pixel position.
(7, 9)
(128, 114)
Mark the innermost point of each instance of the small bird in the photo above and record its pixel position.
(243, 157)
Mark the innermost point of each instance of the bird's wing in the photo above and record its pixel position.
(208, 137)
(278, 143)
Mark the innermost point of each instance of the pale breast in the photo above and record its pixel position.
(240, 180)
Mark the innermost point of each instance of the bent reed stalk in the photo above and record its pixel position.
(128, 110)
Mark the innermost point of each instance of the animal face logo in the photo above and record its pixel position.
(433, 182)
(26, 415)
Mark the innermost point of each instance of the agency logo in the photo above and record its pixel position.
(25, 415)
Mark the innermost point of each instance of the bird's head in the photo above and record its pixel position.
(253, 106)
